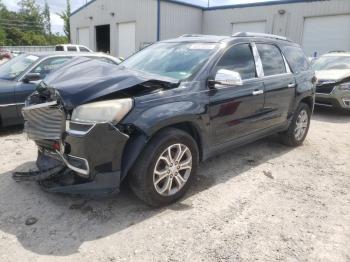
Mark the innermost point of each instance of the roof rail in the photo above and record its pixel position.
(337, 51)
(249, 34)
(192, 35)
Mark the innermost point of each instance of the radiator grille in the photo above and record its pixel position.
(44, 122)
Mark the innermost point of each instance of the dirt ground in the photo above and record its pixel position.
(262, 202)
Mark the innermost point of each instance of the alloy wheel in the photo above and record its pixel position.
(172, 169)
(301, 125)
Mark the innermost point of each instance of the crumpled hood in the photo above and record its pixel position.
(83, 80)
(333, 75)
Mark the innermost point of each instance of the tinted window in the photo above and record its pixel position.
(83, 49)
(59, 48)
(240, 59)
(296, 58)
(272, 60)
(71, 48)
(45, 67)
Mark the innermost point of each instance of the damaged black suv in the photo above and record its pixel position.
(153, 118)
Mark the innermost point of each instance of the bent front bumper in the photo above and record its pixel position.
(93, 152)
(336, 99)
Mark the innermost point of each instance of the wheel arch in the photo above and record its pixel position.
(310, 101)
(139, 139)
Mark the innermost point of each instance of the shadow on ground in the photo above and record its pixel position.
(330, 115)
(12, 130)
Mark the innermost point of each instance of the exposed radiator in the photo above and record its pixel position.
(44, 121)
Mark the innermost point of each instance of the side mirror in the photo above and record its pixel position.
(121, 58)
(31, 77)
(228, 78)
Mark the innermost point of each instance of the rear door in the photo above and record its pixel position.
(235, 110)
(279, 85)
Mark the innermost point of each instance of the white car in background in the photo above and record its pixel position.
(72, 48)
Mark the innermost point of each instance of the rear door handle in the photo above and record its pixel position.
(291, 85)
(258, 92)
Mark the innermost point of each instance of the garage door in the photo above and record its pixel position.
(126, 39)
(254, 27)
(326, 33)
(84, 36)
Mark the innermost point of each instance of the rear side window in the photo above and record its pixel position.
(272, 60)
(59, 48)
(71, 48)
(296, 59)
(239, 58)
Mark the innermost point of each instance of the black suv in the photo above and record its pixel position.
(152, 119)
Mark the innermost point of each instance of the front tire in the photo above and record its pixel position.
(299, 127)
(166, 168)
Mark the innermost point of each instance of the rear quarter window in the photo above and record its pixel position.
(296, 58)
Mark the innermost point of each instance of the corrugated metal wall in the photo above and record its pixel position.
(142, 12)
(289, 24)
(177, 20)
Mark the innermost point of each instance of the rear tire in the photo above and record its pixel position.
(166, 168)
(299, 127)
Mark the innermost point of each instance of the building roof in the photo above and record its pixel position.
(266, 3)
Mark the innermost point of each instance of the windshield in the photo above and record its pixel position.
(13, 68)
(175, 60)
(332, 63)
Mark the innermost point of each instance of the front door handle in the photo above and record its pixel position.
(291, 85)
(258, 92)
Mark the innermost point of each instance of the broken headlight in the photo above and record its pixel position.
(104, 111)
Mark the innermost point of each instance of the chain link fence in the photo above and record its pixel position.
(29, 48)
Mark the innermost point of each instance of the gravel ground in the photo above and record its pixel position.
(262, 202)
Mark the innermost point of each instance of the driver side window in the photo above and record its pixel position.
(45, 67)
(240, 59)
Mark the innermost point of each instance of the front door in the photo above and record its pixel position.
(235, 109)
(8, 111)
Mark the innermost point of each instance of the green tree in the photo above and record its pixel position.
(28, 26)
(47, 18)
(2, 36)
(65, 15)
(31, 16)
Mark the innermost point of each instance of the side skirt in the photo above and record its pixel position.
(221, 148)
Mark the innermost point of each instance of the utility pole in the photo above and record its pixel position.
(208, 3)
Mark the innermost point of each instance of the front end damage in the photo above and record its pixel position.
(85, 156)
(72, 157)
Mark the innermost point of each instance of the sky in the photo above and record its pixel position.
(57, 6)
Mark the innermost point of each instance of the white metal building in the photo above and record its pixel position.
(122, 27)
